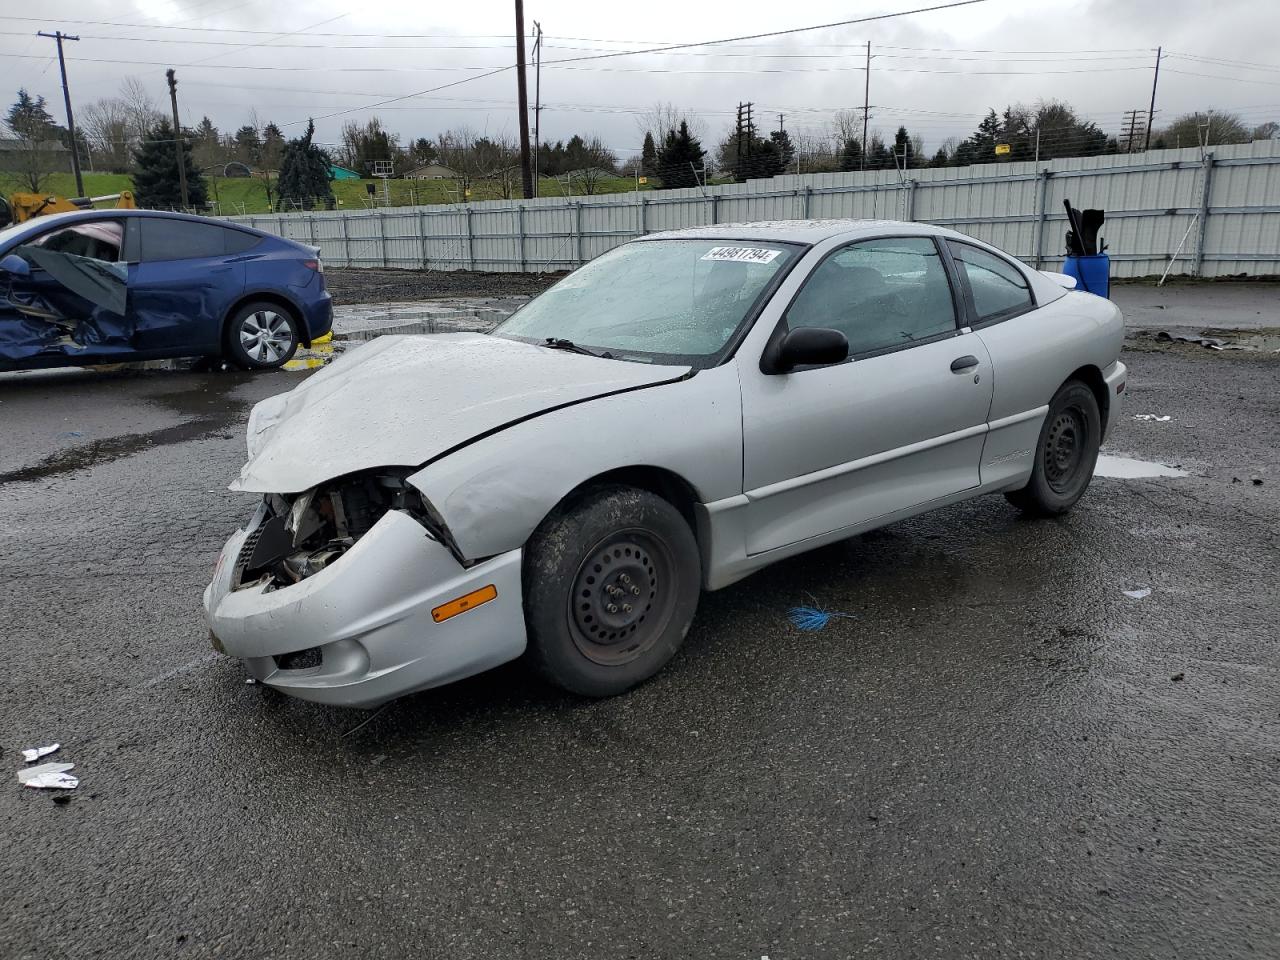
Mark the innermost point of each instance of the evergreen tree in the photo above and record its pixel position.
(29, 118)
(155, 176)
(304, 172)
(878, 155)
(851, 155)
(786, 150)
(680, 158)
(940, 159)
(903, 149)
(248, 146)
(648, 156)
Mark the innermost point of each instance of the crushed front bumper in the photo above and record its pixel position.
(367, 618)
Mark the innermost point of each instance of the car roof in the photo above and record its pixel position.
(73, 215)
(799, 231)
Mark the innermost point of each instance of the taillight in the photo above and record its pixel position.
(315, 265)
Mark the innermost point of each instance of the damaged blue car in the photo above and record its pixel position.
(113, 286)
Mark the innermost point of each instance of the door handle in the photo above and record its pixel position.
(960, 364)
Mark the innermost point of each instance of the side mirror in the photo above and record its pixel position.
(16, 266)
(808, 346)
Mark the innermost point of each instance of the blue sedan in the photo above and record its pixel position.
(111, 286)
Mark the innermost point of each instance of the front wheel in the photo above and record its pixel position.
(1065, 455)
(261, 336)
(611, 583)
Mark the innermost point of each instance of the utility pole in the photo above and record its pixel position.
(177, 136)
(59, 36)
(866, 106)
(1151, 114)
(526, 167)
(1131, 129)
(537, 104)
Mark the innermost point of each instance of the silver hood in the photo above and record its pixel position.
(402, 401)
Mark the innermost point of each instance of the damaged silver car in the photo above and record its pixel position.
(671, 417)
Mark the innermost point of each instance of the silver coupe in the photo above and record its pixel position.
(669, 418)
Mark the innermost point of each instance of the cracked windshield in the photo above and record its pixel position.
(665, 300)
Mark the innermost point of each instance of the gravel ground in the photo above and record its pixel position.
(391, 286)
(998, 754)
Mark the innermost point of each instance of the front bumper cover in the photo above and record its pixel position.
(369, 616)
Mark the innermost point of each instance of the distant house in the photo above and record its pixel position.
(432, 171)
(17, 154)
(342, 173)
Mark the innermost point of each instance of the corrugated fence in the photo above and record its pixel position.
(1214, 215)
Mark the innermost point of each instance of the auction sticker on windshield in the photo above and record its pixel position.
(741, 254)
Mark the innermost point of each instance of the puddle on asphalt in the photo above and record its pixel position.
(1127, 468)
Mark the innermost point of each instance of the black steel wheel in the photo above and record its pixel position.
(611, 585)
(1065, 455)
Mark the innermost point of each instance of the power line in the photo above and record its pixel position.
(774, 33)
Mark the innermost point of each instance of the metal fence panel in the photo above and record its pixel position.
(1153, 202)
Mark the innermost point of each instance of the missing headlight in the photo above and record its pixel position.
(304, 533)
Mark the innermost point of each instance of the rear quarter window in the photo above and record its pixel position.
(999, 289)
(240, 242)
(190, 240)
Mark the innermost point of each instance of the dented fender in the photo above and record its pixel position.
(492, 494)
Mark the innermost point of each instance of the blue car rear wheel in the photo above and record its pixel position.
(262, 336)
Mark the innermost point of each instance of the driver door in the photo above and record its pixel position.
(897, 425)
(68, 294)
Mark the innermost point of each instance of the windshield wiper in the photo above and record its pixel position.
(559, 343)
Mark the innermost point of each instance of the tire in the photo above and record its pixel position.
(1065, 454)
(261, 336)
(608, 546)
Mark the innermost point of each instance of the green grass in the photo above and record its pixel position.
(247, 195)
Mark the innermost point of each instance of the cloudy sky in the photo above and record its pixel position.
(935, 72)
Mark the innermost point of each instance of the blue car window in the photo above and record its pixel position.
(164, 239)
(240, 242)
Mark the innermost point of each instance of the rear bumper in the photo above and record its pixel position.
(318, 316)
(368, 618)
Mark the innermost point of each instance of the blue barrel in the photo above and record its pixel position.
(1093, 274)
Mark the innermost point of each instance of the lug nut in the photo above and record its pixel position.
(626, 608)
(612, 608)
(625, 578)
(635, 591)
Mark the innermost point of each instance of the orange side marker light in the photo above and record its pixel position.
(468, 601)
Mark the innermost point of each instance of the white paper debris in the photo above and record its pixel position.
(1152, 417)
(49, 776)
(32, 754)
(1126, 468)
(742, 254)
(1141, 594)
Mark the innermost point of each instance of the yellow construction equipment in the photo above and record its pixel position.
(20, 207)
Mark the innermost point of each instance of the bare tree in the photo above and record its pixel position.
(846, 125)
(31, 162)
(140, 109)
(590, 162)
(663, 118)
(498, 159)
(106, 125)
(457, 150)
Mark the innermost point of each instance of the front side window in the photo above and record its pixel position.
(999, 288)
(664, 301)
(96, 239)
(880, 294)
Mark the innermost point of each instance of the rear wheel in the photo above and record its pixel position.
(1065, 455)
(261, 336)
(611, 585)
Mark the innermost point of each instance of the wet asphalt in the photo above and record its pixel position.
(995, 754)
